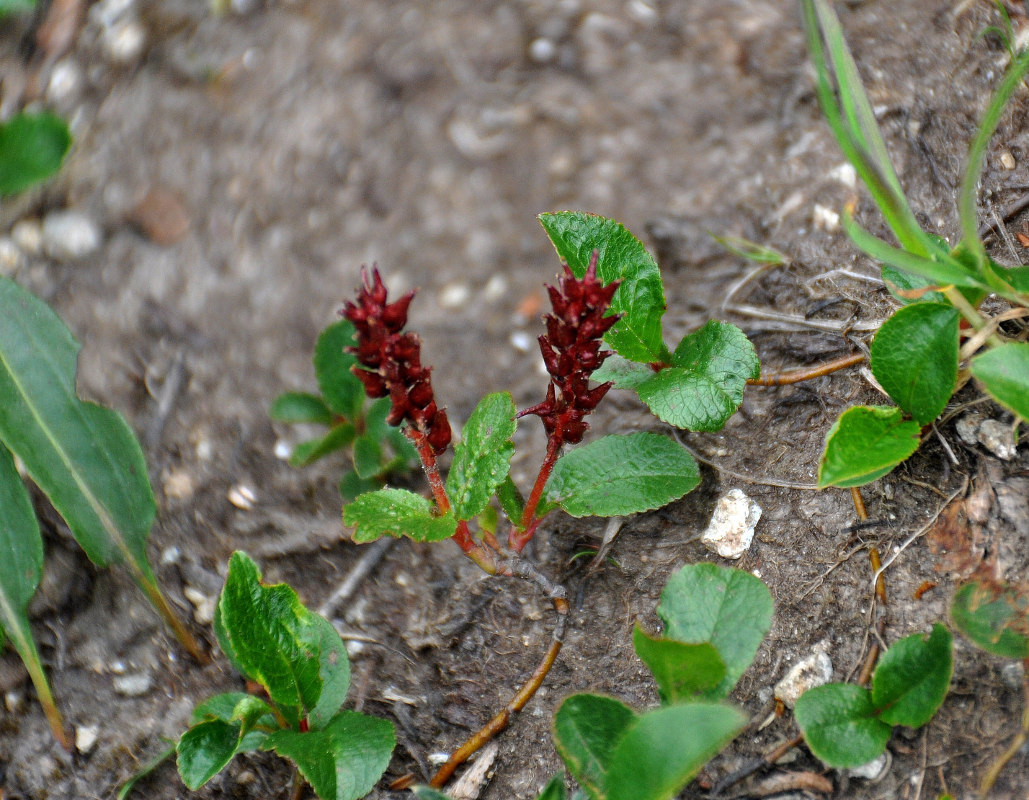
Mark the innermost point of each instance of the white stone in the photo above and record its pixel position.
(874, 770)
(28, 235)
(133, 684)
(124, 41)
(11, 257)
(454, 295)
(242, 496)
(845, 174)
(85, 737)
(70, 235)
(997, 438)
(65, 82)
(283, 450)
(968, 429)
(825, 218)
(731, 529)
(542, 50)
(203, 606)
(815, 670)
(520, 340)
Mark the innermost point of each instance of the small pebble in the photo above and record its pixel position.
(65, 83)
(542, 50)
(70, 235)
(354, 648)
(454, 295)
(203, 606)
(968, 428)
(134, 684)
(13, 701)
(874, 770)
(85, 737)
(815, 670)
(521, 341)
(124, 41)
(171, 555)
(436, 759)
(11, 257)
(1007, 160)
(242, 496)
(161, 216)
(1013, 674)
(178, 484)
(996, 437)
(495, 288)
(283, 450)
(845, 174)
(731, 529)
(117, 667)
(825, 218)
(28, 235)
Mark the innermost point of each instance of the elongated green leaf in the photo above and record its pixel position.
(908, 288)
(352, 486)
(752, 251)
(511, 500)
(482, 459)
(587, 730)
(866, 443)
(300, 407)
(32, 147)
(682, 671)
(726, 607)
(619, 475)
(915, 358)
(641, 296)
(367, 456)
(664, 749)
(1004, 373)
(338, 437)
(205, 749)
(704, 387)
(397, 512)
(1016, 277)
(840, 726)
(994, 616)
(345, 759)
(342, 391)
(912, 678)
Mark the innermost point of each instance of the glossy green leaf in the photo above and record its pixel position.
(912, 678)
(587, 730)
(664, 749)
(342, 391)
(555, 790)
(338, 437)
(224, 707)
(994, 616)
(915, 358)
(32, 148)
(300, 407)
(21, 566)
(640, 297)
(204, 750)
(683, 672)
(511, 500)
(343, 761)
(726, 607)
(367, 457)
(397, 512)
(619, 475)
(866, 443)
(352, 486)
(1016, 277)
(840, 725)
(704, 386)
(482, 459)
(1004, 373)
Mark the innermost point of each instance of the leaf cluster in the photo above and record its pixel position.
(376, 449)
(299, 660)
(916, 354)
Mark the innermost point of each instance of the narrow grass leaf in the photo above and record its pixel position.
(342, 390)
(912, 678)
(32, 148)
(397, 512)
(1004, 373)
(343, 761)
(145, 771)
(704, 386)
(428, 793)
(752, 251)
(866, 443)
(994, 616)
(300, 407)
(338, 437)
(664, 749)
(839, 724)
(908, 288)
(482, 459)
(15, 6)
(915, 358)
(725, 607)
(683, 672)
(619, 475)
(641, 296)
(587, 730)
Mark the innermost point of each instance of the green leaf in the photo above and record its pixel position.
(912, 678)
(994, 616)
(704, 387)
(619, 475)
(587, 729)
(272, 639)
(32, 148)
(367, 457)
(1016, 277)
(482, 460)
(224, 707)
(397, 512)
(915, 358)
(840, 726)
(204, 750)
(333, 670)
(726, 607)
(343, 761)
(511, 500)
(622, 256)
(865, 443)
(342, 390)
(147, 769)
(297, 407)
(555, 790)
(21, 566)
(683, 671)
(1004, 373)
(622, 373)
(84, 457)
(663, 750)
(352, 486)
(15, 6)
(338, 437)
(898, 281)
(428, 793)
(752, 251)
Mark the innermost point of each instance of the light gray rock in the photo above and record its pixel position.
(70, 235)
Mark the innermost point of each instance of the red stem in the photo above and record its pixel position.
(519, 538)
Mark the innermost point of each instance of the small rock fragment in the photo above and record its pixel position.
(968, 429)
(542, 50)
(731, 529)
(85, 737)
(28, 235)
(161, 216)
(475, 778)
(825, 218)
(454, 295)
(1007, 160)
(242, 496)
(845, 174)
(65, 84)
(133, 684)
(1013, 675)
(70, 235)
(178, 484)
(11, 257)
(874, 770)
(815, 670)
(996, 437)
(203, 606)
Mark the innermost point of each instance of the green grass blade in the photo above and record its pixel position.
(977, 152)
(84, 457)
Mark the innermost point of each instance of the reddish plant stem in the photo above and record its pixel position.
(519, 538)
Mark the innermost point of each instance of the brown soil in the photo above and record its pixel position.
(290, 143)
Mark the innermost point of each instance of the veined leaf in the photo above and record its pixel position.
(1004, 373)
(397, 512)
(994, 616)
(683, 671)
(587, 730)
(482, 459)
(840, 724)
(300, 407)
(342, 390)
(866, 443)
(912, 678)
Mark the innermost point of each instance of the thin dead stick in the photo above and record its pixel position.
(797, 321)
(808, 373)
(739, 475)
(767, 760)
(978, 339)
(1016, 744)
(361, 570)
